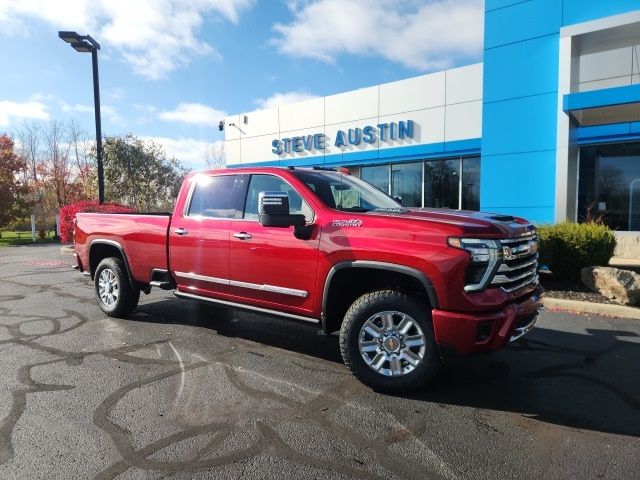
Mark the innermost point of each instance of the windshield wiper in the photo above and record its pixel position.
(392, 210)
(354, 209)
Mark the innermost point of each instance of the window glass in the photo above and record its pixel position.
(271, 183)
(609, 185)
(377, 175)
(345, 192)
(442, 183)
(406, 182)
(213, 196)
(471, 183)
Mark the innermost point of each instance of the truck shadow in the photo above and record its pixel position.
(579, 380)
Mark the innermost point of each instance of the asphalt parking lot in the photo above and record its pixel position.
(179, 390)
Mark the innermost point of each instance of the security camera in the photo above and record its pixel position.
(221, 125)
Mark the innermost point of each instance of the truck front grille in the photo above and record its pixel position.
(519, 263)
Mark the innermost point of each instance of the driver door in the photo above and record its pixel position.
(269, 266)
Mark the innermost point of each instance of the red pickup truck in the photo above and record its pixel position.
(404, 286)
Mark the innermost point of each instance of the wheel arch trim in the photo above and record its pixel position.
(111, 243)
(424, 280)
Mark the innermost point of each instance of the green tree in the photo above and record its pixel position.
(12, 190)
(139, 174)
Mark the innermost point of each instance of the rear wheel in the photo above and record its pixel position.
(387, 341)
(115, 295)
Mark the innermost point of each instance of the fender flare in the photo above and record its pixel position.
(112, 243)
(424, 280)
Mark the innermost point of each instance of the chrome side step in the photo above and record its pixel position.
(191, 296)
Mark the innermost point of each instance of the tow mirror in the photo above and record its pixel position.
(273, 208)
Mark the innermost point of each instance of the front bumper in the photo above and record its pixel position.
(467, 334)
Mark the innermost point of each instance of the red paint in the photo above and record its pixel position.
(274, 256)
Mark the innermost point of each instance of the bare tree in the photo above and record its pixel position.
(83, 152)
(30, 139)
(214, 155)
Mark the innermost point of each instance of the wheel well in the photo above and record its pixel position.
(348, 284)
(100, 251)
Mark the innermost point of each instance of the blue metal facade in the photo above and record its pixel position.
(520, 101)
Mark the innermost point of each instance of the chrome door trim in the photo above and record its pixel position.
(204, 278)
(270, 288)
(180, 294)
(253, 286)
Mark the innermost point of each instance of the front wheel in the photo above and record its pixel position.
(387, 341)
(114, 293)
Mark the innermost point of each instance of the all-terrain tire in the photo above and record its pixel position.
(113, 289)
(370, 306)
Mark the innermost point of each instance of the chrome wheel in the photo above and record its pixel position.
(392, 343)
(108, 287)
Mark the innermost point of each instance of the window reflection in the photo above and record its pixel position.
(377, 175)
(442, 183)
(406, 180)
(471, 183)
(609, 185)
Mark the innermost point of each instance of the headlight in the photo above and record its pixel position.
(484, 258)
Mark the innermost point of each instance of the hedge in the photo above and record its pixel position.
(566, 248)
(68, 214)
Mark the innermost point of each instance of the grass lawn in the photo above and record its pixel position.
(23, 238)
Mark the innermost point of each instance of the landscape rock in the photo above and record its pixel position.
(621, 286)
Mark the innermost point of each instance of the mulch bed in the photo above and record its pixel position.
(569, 290)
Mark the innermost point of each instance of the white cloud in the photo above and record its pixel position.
(107, 111)
(32, 109)
(424, 35)
(154, 36)
(278, 99)
(189, 151)
(194, 114)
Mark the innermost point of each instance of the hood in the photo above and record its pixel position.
(470, 223)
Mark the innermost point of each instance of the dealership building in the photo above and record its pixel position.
(547, 127)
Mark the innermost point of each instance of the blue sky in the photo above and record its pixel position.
(171, 69)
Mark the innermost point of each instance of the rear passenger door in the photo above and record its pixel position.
(199, 236)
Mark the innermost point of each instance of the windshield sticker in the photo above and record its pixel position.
(354, 222)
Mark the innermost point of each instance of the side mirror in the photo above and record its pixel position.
(273, 208)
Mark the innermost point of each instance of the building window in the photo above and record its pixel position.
(376, 175)
(406, 183)
(471, 183)
(609, 185)
(442, 183)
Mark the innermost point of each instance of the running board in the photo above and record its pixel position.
(191, 296)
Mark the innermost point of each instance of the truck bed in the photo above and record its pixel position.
(142, 236)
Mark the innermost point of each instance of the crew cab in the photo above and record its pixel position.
(405, 287)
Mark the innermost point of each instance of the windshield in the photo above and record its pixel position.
(346, 193)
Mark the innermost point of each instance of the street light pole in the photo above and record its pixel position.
(96, 105)
(84, 43)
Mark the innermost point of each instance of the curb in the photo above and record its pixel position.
(595, 308)
(67, 250)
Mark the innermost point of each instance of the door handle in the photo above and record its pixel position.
(242, 235)
(181, 231)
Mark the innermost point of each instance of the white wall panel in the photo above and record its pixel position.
(463, 121)
(331, 131)
(354, 105)
(307, 114)
(232, 152)
(257, 149)
(464, 84)
(425, 91)
(260, 122)
(428, 127)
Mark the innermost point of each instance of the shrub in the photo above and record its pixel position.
(566, 248)
(68, 214)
